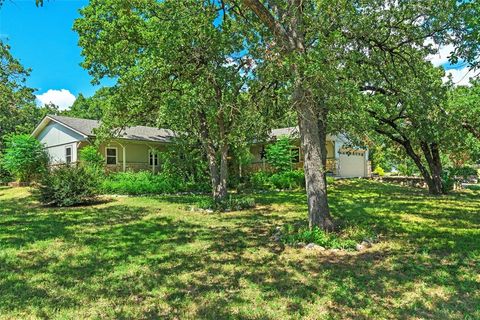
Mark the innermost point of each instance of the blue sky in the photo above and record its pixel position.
(43, 40)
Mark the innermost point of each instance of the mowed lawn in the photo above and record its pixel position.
(150, 258)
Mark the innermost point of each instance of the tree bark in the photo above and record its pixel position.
(291, 38)
(218, 176)
(322, 134)
(318, 209)
(434, 186)
(432, 155)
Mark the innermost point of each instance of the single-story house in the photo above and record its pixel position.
(136, 148)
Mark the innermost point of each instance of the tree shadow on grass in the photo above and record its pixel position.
(148, 263)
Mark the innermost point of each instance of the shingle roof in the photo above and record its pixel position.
(87, 126)
(293, 132)
(289, 132)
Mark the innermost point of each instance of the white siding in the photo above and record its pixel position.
(57, 154)
(56, 138)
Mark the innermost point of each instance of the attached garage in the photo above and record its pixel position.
(352, 163)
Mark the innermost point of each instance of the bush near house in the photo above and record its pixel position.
(67, 186)
(280, 154)
(90, 157)
(286, 180)
(24, 157)
(145, 182)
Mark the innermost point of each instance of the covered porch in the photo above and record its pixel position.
(129, 155)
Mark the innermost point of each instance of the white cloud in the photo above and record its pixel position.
(441, 57)
(460, 77)
(63, 98)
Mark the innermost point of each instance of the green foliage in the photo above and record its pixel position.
(407, 169)
(285, 180)
(159, 83)
(288, 180)
(90, 157)
(348, 239)
(185, 163)
(24, 157)
(231, 203)
(92, 107)
(18, 111)
(5, 176)
(463, 172)
(280, 154)
(379, 171)
(145, 182)
(451, 176)
(66, 186)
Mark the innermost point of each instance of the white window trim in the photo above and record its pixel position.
(106, 155)
(71, 154)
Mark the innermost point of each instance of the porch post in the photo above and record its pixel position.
(153, 159)
(124, 155)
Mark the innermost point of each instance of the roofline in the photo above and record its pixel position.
(114, 139)
(47, 117)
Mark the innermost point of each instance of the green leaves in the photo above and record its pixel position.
(24, 157)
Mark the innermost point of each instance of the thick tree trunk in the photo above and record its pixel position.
(434, 187)
(292, 40)
(432, 155)
(322, 135)
(312, 146)
(218, 176)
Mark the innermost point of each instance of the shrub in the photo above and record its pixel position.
(5, 176)
(24, 157)
(463, 172)
(145, 182)
(193, 172)
(67, 186)
(260, 180)
(90, 157)
(280, 154)
(379, 171)
(232, 203)
(450, 176)
(292, 179)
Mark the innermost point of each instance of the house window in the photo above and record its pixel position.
(111, 155)
(263, 153)
(295, 155)
(153, 158)
(68, 155)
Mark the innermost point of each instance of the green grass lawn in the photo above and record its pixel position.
(149, 258)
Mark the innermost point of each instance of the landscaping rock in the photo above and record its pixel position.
(313, 246)
(360, 247)
(366, 244)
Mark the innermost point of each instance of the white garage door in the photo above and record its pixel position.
(352, 164)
